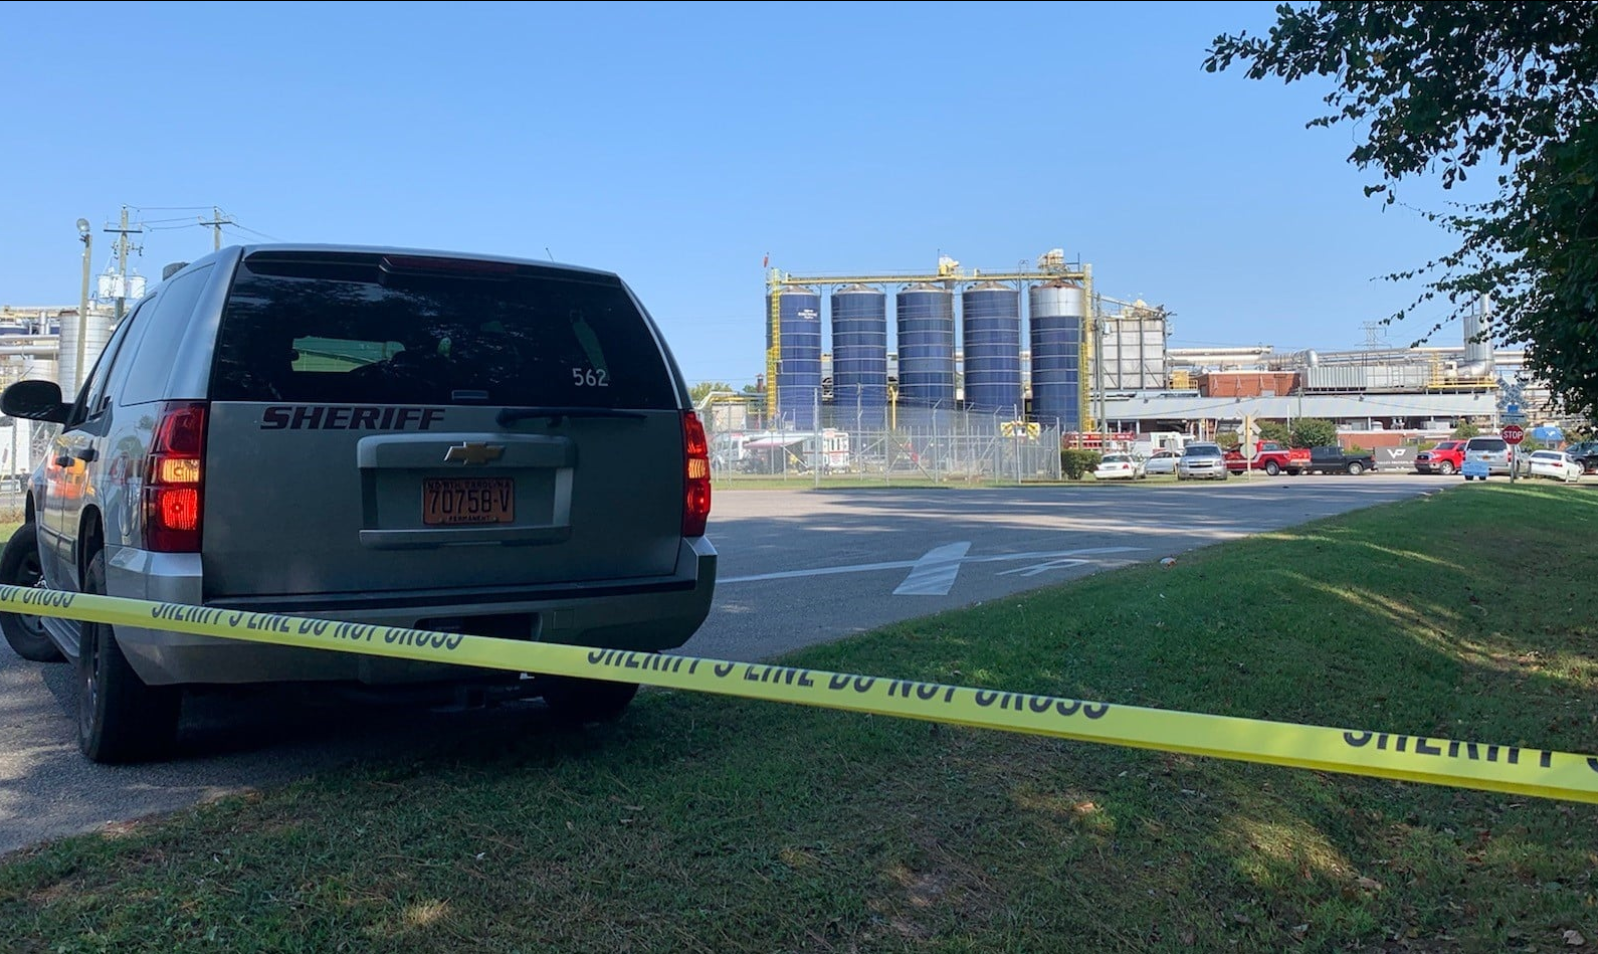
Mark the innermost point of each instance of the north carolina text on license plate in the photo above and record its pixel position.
(448, 501)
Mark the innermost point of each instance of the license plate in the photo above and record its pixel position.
(460, 501)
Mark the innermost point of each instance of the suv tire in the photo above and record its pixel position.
(1446, 468)
(581, 701)
(19, 566)
(120, 718)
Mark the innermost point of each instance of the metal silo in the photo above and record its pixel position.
(96, 331)
(925, 319)
(860, 355)
(799, 371)
(1058, 314)
(991, 338)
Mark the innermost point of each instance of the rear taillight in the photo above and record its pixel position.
(174, 479)
(696, 482)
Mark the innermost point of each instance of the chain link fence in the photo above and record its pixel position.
(23, 444)
(886, 446)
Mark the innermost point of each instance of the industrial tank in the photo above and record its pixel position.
(96, 332)
(859, 355)
(1059, 310)
(925, 319)
(1132, 349)
(799, 370)
(1477, 326)
(991, 337)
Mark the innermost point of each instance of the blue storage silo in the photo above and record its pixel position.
(859, 355)
(1058, 314)
(925, 319)
(799, 365)
(990, 318)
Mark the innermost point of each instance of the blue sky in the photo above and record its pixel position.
(678, 144)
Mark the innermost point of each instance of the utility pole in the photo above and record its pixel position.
(217, 221)
(87, 237)
(122, 234)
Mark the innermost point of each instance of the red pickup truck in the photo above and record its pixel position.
(1271, 457)
(1446, 458)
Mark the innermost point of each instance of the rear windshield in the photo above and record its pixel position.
(365, 329)
(1488, 444)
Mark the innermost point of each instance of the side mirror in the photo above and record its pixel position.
(37, 400)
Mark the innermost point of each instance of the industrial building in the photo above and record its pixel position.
(1094, 366)
(929, 371)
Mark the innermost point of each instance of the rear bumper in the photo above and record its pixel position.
(648, 615)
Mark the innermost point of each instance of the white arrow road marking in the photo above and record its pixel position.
(1044, 555)
(934, 574)
(1037, 568)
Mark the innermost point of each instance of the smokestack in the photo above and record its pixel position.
(1478, 353)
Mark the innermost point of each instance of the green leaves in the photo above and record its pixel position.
(1449, 85)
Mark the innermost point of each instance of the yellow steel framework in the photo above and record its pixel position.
(773, 353)
(778, 281)
(1438, 379)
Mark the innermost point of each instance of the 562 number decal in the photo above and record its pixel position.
(590, 378)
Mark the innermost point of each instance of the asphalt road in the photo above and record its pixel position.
(796, 569)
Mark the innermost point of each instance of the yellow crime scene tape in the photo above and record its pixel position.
(1501, 768)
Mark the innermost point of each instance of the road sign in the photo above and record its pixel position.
(1513, 434)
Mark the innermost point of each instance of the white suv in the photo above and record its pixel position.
(1492, 451)
(1202, 462)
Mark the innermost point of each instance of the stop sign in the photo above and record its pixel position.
(1513, 434)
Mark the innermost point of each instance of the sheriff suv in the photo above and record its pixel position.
(488, 446)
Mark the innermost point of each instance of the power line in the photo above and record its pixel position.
(246, 228)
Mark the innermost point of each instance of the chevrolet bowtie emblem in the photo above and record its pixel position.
(469, 453)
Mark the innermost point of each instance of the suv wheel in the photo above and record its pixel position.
(1446, 468)
(120, 719)
(19, 566)
(581, 701)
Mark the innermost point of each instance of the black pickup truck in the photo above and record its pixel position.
(1333, 460)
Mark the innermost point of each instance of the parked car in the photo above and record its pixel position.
(1446, 459)
(1333, 459)
(1118, 467)
(489, 446)
(1585, 453)
(1202, 461)
(1489, 454)
(1550, 463)
(1270, 457)
(1161, 462)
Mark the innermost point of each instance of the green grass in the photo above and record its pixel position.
(710, 824)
